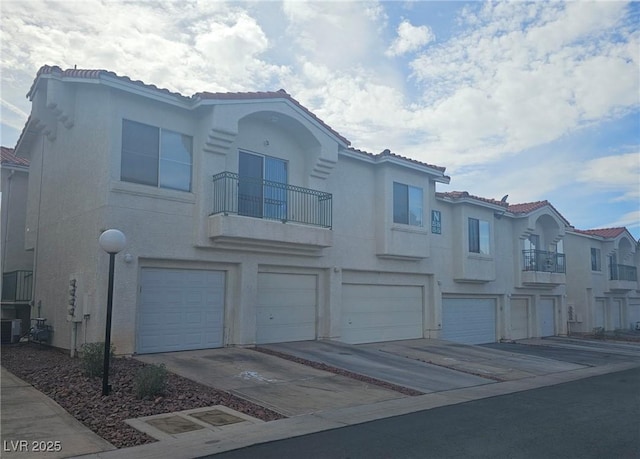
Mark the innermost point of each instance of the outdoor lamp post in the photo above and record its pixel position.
(112, 241)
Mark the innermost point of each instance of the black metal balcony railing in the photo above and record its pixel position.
(540, 260)
(623, 273)
(251, 197)
(16, 286)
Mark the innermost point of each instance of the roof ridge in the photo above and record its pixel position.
(387, 152)
(466, 194)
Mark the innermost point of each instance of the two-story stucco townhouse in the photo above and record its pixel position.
(249, 220)
(502, 268)
(17, 263)
(602, 286)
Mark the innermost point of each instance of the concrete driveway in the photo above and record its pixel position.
(286, 387)
(292, 389)
(388, 365)
(427, 365)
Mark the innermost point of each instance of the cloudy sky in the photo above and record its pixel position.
(535, 100)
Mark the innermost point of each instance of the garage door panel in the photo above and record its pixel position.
(519, 318)
(546, 317)
(286, 307)
(469, 320)
(180, 310)
(372, 313)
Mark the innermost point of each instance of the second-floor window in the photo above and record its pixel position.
(407, 204)
(595, 259)
(156, 157)
(478, 236)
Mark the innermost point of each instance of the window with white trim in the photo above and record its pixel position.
(407, 204)
(479, 236)
(596, 264)
(156, 157)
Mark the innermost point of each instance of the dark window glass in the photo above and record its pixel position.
(400, 203)
(139, 160)
(474, 235)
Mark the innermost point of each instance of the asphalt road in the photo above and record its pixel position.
(597, 417)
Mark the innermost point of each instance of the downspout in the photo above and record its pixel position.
(6, 223)
(35, 250)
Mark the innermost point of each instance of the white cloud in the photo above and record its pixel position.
(526, 74)
(410, 38)
(619, 173)
(338, 35)
(630, 220)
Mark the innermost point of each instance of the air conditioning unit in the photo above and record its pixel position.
(11, 330)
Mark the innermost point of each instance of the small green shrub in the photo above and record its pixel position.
(92, 356)
(150, 380)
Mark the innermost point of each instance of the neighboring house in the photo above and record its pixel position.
(17, 263)
(249, 220)
(603, 288)
(502, 269)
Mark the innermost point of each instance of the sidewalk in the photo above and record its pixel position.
(34, 426)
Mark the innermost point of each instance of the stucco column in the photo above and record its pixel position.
(433, 309)
(562, 314)
(246, 302)
(331, 322)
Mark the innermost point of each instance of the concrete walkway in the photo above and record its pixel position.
(34, 426)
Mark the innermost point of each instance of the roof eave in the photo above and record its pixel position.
(437, 174)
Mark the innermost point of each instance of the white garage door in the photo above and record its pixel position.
(615, 315)
(598, 314)
(286, 307)
(180, 309)
(469, 320)
(546, 317)
(372, 313)
(519, 318)
(634, 316)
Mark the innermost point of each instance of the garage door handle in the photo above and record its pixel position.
(270, 317)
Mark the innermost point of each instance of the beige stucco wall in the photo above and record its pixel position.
(82, 195)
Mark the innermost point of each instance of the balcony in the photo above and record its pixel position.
(622, 277)
(16, 286)
(263, 215)
(542, 268)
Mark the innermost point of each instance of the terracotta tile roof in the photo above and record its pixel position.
(525, 208)
(456, 195)
(98, 73)
(8, 157)
(279, 94)
(404, 158)
(607, 233)
(93, 74)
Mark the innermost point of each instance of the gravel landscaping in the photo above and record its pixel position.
(60, 377)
